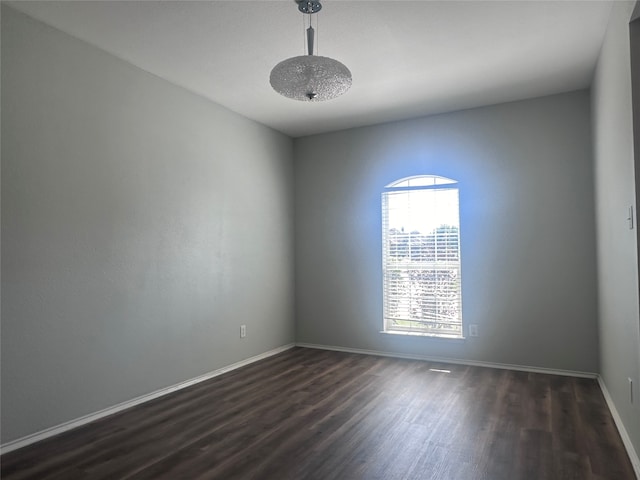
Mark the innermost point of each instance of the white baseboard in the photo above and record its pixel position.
(50, 432)
(633, 455)
(455, 361)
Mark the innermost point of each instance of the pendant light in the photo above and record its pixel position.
(310, 77)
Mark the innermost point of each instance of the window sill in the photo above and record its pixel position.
(424, 335)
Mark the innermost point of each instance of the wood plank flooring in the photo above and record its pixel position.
(314, 414)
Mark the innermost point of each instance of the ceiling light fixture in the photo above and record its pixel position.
(310, 77)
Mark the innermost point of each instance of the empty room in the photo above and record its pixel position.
(324, 240)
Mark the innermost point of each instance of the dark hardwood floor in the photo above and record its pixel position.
(314, 414)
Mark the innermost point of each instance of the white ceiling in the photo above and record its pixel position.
(408, 58)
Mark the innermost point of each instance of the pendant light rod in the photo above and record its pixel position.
(310, 37)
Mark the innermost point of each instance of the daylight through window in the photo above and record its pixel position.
(421, 257)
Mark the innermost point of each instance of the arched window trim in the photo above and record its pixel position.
(438, 182)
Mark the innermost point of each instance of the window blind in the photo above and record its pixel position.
(421, 260)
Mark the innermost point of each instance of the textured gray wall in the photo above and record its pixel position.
(527, 226)
(615, 191)
(141, 225)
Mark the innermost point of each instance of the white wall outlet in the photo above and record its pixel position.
(243, 331)
(473, 330)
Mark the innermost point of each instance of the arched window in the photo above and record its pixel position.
(421, 257)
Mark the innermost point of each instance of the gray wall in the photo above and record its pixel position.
(615, 191)
(141, 226)
(527, 226)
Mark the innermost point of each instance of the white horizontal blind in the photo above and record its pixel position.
(421, 258)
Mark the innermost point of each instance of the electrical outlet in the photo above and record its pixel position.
(473, 330)
(630, 389)
(243, 331)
